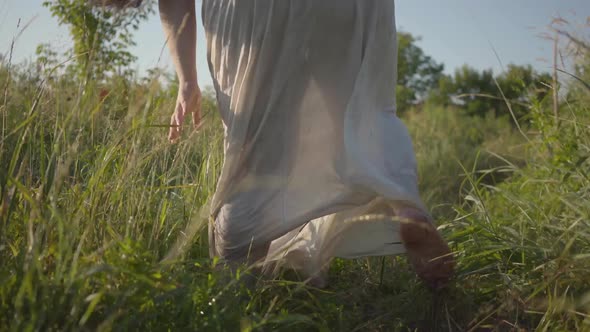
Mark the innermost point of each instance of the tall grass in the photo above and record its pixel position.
(449, 143)
(93, 198)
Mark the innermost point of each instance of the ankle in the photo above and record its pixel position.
(412, 214)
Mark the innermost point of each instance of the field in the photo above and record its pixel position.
(103, 222)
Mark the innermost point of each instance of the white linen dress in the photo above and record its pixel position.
(315, 156)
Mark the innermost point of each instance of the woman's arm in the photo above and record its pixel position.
(179, 24)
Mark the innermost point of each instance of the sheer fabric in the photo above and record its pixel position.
(316, 160)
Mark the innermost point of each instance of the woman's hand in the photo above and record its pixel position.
(188, 102)
(179, 24)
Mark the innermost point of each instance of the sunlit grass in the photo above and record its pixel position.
(93, 198)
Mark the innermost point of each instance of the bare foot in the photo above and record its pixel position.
(427, 251)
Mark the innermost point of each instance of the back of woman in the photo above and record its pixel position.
(317, 164)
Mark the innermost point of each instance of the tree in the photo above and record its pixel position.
(417, 72)
(101, 35)
(469, 89)
(480, 92)
(520, 87)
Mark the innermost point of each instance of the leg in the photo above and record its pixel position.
(249, 256)
(427, 251)
(239, 235)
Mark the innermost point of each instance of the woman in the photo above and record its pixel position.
(317, 164)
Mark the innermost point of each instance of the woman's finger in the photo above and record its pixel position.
(173, 133)
(179, 114)
(176, 123)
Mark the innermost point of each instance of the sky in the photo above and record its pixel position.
(454, 32)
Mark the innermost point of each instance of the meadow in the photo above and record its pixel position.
(103, 221)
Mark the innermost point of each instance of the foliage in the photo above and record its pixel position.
(530, 233)
(421, 78)
(93, 197)
(447, 142)
(509, 94)
(101, 36)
